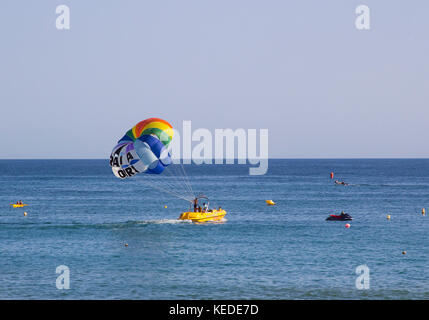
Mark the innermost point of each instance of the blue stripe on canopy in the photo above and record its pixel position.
(166, 161)
(155, 145)
(125, 138)
(157, 170)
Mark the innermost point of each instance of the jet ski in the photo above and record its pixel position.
(339, 217)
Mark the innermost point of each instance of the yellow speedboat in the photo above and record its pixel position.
(214, 215)
(199, 214)
(19, 205)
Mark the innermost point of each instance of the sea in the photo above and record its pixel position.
(89, 235)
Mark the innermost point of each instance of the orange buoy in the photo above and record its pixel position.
(332, 175)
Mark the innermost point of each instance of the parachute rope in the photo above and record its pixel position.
(174, 181)
(186, 178)
(175, 194)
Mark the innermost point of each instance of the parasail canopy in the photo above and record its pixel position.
(143, 149)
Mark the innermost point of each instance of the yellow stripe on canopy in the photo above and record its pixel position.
(159, 125)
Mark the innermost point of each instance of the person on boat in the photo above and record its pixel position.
(195, 202)
(205, 207)
(343, 214)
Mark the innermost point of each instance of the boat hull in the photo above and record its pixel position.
(215, 215)
(19, 205)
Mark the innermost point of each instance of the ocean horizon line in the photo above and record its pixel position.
(236, 159)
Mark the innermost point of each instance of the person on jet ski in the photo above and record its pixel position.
(340, 182)
(343, 214)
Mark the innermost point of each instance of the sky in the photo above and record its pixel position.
(300, 69)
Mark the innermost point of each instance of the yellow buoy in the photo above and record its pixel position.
(270, 202)
(388, 217)
(423, 211)
(165, 207)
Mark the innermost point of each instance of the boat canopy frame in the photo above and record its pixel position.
(191, 209)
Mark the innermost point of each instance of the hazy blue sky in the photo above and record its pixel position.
(299, 68)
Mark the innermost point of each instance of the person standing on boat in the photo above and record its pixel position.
(205, 207)
(195, 202)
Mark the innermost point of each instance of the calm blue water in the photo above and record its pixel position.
(81, 216)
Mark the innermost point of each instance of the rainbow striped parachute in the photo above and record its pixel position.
(143, 149)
